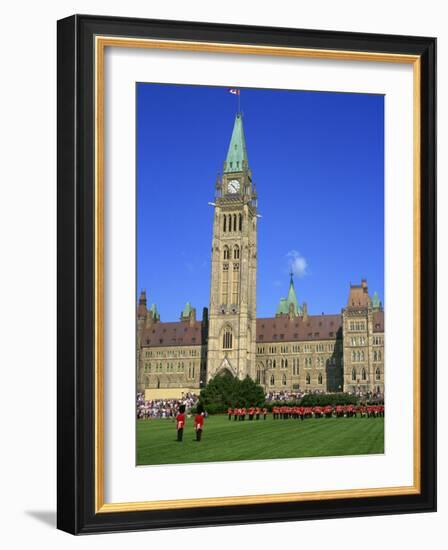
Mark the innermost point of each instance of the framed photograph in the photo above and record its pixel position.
(246, 274)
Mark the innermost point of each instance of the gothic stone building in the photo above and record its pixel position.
(289, 351)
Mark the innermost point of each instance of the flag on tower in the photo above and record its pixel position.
(234, 91)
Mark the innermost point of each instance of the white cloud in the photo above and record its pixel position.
(297, 263)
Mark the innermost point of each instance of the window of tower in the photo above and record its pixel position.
(234, 222)
(224, 223)
(378, 374)
(236, 283)
(364, 375)
(236, 252)
(226, 253)
(241, 222)
(225, 284)
(227, 338)
(353, 374)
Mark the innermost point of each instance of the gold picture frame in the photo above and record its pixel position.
(95, 35)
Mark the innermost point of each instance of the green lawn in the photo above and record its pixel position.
(263, 439)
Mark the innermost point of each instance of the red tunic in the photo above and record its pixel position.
(180, 421)
(198, 422)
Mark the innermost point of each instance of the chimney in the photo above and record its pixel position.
(305, 311)
(193, 316)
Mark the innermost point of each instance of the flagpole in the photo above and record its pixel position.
(239, 101)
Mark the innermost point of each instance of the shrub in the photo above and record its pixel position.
(324, 399)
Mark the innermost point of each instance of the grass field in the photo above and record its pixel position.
(263, 439)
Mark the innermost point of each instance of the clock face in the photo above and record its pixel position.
(234, 186)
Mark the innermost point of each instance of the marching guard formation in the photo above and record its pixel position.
(285, 412)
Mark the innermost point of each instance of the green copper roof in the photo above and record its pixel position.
(282, 307)
(187, 310)
(153, 310)
(375, 300)
(237, 153)
(292, 298)
(285, 303)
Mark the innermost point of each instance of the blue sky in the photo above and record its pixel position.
(317, 160)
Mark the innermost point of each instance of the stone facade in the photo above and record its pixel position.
(290, 351)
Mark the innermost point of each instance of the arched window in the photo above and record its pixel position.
(234, 222)
(364, 374)
(353, 355)
(226, 253)
(224, 223)
(353, 374)
(358, 356)
(377, 374)
(308, 379)
(272, 379)
(284, 379)
(227, 338)
(236, 252)
(375, 356)
(241, 222)
(362, 356)
(273, 364)
(319, 379)
(379, 355)
(286, 363)
(225, 282)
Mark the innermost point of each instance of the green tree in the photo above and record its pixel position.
(224, 391)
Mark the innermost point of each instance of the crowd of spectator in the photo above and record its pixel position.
(164, 408)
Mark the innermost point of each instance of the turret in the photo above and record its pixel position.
(142, 312)
(153, 315)
(376, 303)
(188, 314)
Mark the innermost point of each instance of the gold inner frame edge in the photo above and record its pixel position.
(101, 42)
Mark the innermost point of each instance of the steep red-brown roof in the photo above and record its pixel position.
(283, 329)
(173, 334)
(358, 297)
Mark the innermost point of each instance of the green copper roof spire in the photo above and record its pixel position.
(376, 304)
(236, 159)
(292, 298)
(284, 305)
(155, 313)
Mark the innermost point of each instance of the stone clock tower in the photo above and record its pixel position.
(232, 320)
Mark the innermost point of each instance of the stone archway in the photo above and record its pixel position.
(226, 367)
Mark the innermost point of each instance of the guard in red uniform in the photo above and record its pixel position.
(229, 412)
(199, 422)
(180, 422)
